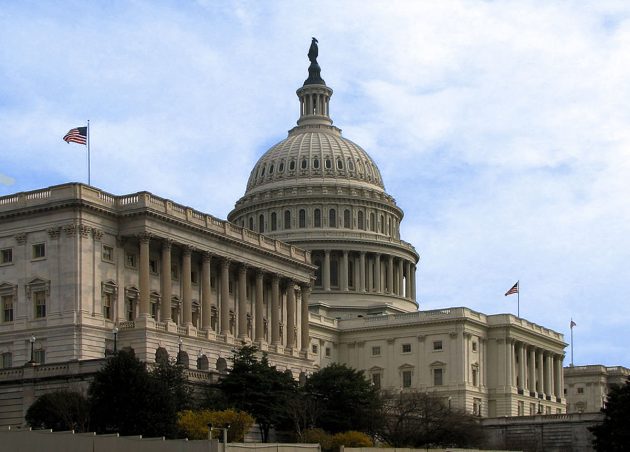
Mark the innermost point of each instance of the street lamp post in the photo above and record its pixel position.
(32, 341)
(115, 331)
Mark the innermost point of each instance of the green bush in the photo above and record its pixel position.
(317, 436)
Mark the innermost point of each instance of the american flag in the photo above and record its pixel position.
(77, 135)
(513, 290)
(572, 324)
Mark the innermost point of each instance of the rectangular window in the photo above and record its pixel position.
(314, 348)
(475, 376)
(328, 352)
(130, 309)
(7, 360)
(376, 351)
(437, 345)
(521, 408)
(406, 348)
(580, 390)
(154, 267)
(6, 256)
(376, 381)
(7, 308)
(131, 260)
(108, 253)
(474, 346)
(406, 379)
(532, 409)
(40, 304)
(39, 250)
(39, 356)
(477, 407)
(437, 377)
(107, 306)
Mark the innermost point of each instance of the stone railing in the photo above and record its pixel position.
(148, 201)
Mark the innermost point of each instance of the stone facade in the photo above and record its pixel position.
(310, 267)
(586, 387)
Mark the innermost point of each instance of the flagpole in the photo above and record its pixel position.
(571, 342)
(518, 299)
(88, 144)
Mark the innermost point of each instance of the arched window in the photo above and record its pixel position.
(360, 222)
(262, 171)
(271, 169)
(261, 223)
(287, 219)
(350, 165)
(316, 163)
(302, 218)
(304, 163)
(274, 221)
(281, 167)
(292, 165)
(381, 225)
(346, 218)
(328, 164)
(317, 218)
(339, 164)
(372, 222)
(251, 223)
(332, 218)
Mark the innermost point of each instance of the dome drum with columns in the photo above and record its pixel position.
(324, 193)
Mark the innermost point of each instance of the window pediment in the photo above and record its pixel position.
(8, 289)
(437, 364)
(406, 366)
(37, 285)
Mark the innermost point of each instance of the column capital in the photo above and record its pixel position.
(206, 256)
(225, 260)
(242, 268)
(305, 288)
(144, 237)
(260, 273)
(167, 243)
(187, 250)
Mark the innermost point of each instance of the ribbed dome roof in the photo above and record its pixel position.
(315, 156)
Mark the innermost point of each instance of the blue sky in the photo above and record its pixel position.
(501, 128)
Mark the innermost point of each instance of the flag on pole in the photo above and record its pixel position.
(77, 135)
(513, 290)
(572, 324)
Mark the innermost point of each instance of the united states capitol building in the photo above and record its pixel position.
(310, 267)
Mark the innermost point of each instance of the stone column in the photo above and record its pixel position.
(306, 292)
(362, 271)
(522, 358)
(377, 272)
(225, 297)
(548, 371)
(242, 302)
(145, 285)
(531, 367)
(260, 322)
(344, 270)
(408, 279)
(390, 274)
(166, 286)
(401, 275)
(275, 311)
(557, 376)
(326, 270)
(206, 293)
(290, 314)
(370, 278)
(413, 282)
(186, 285)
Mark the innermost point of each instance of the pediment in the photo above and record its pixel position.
(437, 364)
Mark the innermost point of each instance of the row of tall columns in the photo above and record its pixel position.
(224, 307)
(375, 272)
(538, 371)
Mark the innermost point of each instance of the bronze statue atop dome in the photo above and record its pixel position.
(313, 51)
(314, 77)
